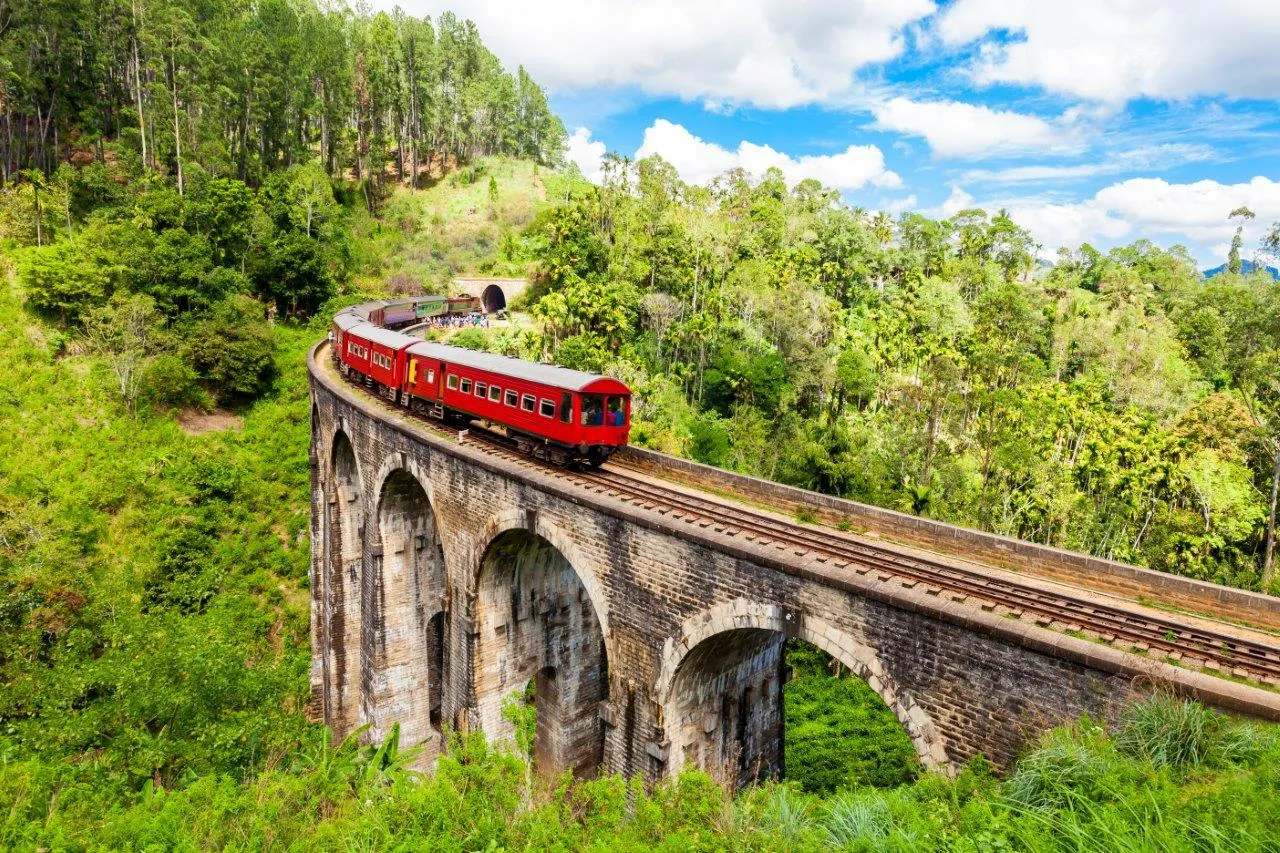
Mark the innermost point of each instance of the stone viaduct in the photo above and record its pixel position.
(444, 579)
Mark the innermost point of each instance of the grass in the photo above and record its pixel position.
(455, 227)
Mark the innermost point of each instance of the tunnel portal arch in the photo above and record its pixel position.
(493, 299)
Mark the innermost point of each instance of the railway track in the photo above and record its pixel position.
(1164, 638)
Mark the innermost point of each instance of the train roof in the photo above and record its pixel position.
(517, 368)
(346, 320)
(379, 335)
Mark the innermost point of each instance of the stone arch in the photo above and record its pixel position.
(516, 519)
(534, 616)
(493, 299)
(402, 597)
(754, 633)
(345, 519)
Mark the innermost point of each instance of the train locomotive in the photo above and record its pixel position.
(554, 413)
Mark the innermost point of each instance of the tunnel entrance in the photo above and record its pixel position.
(748, 705)
(342, 587)
(493, 299)
(407, 655)
(536, 621)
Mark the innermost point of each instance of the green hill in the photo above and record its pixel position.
(472, 221)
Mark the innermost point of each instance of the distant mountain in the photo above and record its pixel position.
(1246, 267)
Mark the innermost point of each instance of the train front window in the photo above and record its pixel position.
(617, 414)
(592, 410)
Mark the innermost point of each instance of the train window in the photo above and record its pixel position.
(547, 408)
(452, 382)
(566, 407)
(431, 375)
(617, 411)
(482, 390)
(466, 386)
(511, 398)
(495, 393)
(592, 410)
(527, 402)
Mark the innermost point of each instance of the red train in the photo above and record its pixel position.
(566, 416)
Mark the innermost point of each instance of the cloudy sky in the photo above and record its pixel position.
(1091, 120)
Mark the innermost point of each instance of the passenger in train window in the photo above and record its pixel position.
(617, 411)
(592, 410)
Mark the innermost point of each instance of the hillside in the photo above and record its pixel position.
(472, 221)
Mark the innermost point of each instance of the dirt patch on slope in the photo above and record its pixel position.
(196, 422)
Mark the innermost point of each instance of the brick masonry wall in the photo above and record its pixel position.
(653, 589)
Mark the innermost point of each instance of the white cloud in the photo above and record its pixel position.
(1147, 157)
(1193, 213)
(771, 53)
(900, 205)
(1116, 50)
(1198, 210)
(698, 161)
(955, 129)
(588, 153)
(957, 201)
(1070, 225)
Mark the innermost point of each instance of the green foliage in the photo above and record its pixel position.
(293, 272)
(232, 348)
(1176, 733)
(151, 603)
(62, 280)
(471, 338)
(839, 733)
(922, 365)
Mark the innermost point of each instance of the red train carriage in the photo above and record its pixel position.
(553, 412)
(560, 414)
(342, 323)
(376, 354)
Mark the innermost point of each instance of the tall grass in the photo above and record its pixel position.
(1171, 732)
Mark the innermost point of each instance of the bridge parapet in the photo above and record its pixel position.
(990, 549)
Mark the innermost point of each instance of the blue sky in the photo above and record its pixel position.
(1096, 120)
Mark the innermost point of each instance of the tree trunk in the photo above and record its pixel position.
(1268, 545)
(137, 86)
(177, 132)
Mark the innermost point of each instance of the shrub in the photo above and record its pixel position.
(233, 349)
(1171, 732)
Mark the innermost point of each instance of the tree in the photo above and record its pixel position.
(233, 348)
(63, 279)
(1241, 215)
(127, 335)
(294, 273)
